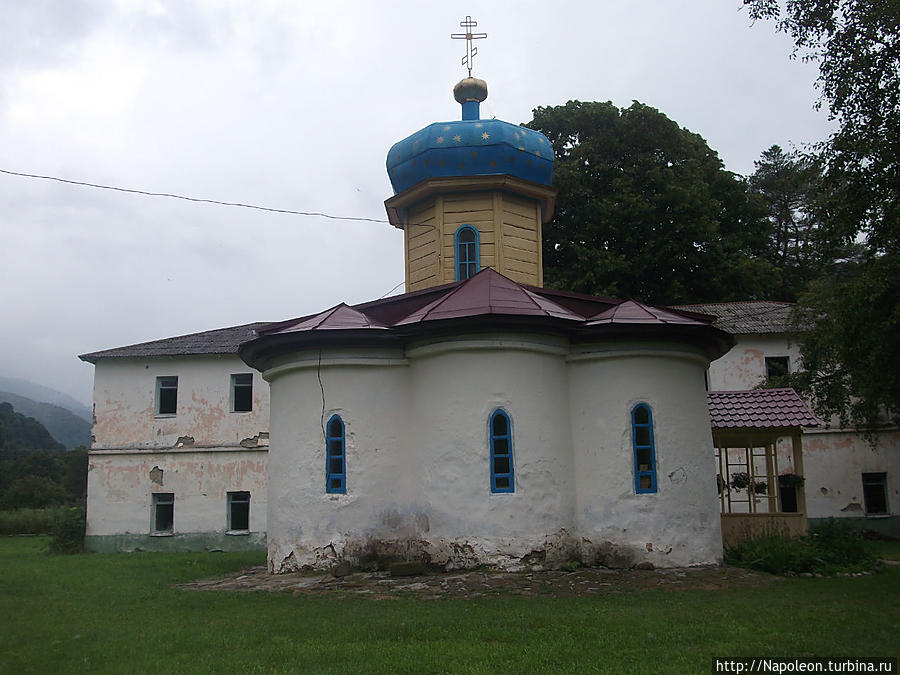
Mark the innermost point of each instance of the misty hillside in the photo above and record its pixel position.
(18, 432)
(41, 394)
(64, 425)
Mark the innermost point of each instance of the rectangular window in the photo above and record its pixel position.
(166, 395)
(875, 493)
(242, 392)
(162, 513)
(238, 511)
(776, 366)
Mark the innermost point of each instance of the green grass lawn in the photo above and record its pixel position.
(119, 613)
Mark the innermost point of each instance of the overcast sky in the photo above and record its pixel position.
(294, 105)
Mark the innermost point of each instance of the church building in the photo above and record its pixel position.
(480, 418)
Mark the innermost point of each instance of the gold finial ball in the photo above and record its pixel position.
(470, 89)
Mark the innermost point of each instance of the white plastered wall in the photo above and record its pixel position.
(679, 524)
(744, 367)
(418, 468)
(203, 451)
(834, 459)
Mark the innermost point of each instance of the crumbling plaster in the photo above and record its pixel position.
(199, 454)
(834, 459)
(418, 460)
(125, 399)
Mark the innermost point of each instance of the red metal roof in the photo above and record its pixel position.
(489, 292)
(758, 409)
(632, 311)
(339, 317)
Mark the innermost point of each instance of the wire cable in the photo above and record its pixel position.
(192, 199)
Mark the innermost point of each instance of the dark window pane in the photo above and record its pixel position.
(336, 465)
(164, 517)
(334, 427)
(646, 482)
(641, 415)
(240, 515)
(644, 459)
(502, 482)
(336, 483)
(501, 464)
(776, 366)
(168, 401)
(335, 448)
(501, 446)
(500, 426)
(467, 234)
(642, 435)
(875, 492)
(243, 399)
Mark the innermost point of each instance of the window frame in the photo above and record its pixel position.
(638, 472)
(160, 386)
(508, 455)
(234, 497)
(458, 262)
(234, 386)
(875, 478)
(158, 499)
(340, 439)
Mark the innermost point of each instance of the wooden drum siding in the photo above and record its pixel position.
(509, 231)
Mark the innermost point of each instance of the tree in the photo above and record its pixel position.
(647, 211)
(850, 351)
(788, 182)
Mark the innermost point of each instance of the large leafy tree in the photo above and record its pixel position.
(851, 353)
(646, 210)
(789, 183)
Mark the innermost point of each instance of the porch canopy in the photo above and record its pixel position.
(756, 495)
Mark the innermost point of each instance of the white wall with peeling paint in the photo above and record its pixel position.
(744, 367)
(834, 459)
(418, 468)
(204, 451)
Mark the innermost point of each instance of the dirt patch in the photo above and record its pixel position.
(545, 583)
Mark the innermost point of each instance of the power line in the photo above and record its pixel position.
(192, 199)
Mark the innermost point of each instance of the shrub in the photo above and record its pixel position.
(827, 549)
(68, 531)
(28, 521)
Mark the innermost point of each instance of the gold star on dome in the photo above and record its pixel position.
(485, 136)
(440, 139)
(540, 140)
(479, 125)
(457, 138)
(537, 152)
(447, 128)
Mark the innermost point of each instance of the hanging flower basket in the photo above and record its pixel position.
(740, 481)
(761, 487)
(791, 480)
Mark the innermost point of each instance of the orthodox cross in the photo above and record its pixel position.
(468, 36)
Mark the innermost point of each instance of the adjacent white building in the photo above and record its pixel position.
(846, 476)
(178, 458)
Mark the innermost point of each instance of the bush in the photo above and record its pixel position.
(68, 531)
(28, 521)
(827, 549)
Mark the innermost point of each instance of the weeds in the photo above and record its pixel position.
(828, 549)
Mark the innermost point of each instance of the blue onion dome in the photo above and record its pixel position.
(470, 147)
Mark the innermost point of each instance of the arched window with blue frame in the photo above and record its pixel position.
(644, 450)
(466, 247)
(500, 430)
(336, 464)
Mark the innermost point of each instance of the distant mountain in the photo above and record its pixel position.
(64, 425)
(20, 432)
(37, 392)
